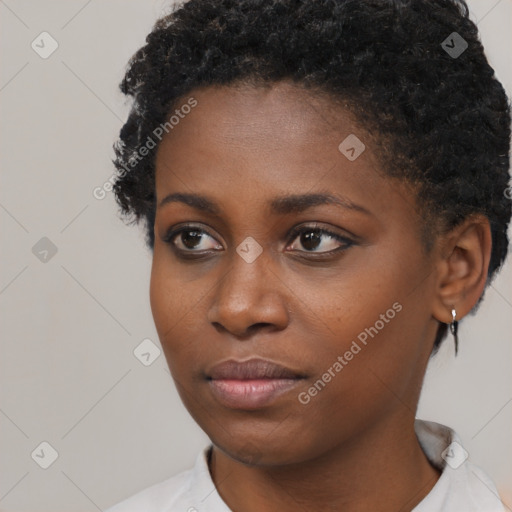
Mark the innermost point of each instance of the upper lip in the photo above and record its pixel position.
(251, 369)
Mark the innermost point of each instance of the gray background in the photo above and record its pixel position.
(70, 325)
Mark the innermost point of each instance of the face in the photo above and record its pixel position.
(290, 287)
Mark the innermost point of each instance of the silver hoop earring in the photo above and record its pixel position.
(454, 325)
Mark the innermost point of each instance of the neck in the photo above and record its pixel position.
(383, 468)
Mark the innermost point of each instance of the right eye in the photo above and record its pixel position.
(191, 239)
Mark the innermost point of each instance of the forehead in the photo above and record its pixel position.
(245, 146)
(246, 111)
(273, 128)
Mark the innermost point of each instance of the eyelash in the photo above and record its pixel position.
(299, 230)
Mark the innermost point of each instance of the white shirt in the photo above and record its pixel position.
(462, 486)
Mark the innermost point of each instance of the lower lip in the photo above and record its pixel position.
(250, 394)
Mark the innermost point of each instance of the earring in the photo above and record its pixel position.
(454, 328)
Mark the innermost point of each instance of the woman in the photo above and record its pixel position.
(324, 189)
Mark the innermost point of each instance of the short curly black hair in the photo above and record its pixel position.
(442, 117)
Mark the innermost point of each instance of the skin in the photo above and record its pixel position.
(352, 447)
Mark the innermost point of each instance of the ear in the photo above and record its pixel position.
(463, 262)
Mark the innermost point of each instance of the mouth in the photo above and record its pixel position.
(251, 384)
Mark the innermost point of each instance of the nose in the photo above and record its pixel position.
(248, 298)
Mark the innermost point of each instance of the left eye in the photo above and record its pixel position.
(313, 238)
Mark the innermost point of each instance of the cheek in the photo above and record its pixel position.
(375, 319)
(359, 335)
(343, 304)
(366, 368)
(174, 306)
(162, 299)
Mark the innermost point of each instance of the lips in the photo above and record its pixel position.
(251, 369)
(251, 384)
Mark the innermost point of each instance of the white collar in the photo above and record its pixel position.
(462, 485)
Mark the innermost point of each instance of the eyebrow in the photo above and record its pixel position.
(292, 203)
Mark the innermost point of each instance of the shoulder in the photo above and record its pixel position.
(481, 489)
(159, 497)
(189, 491)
